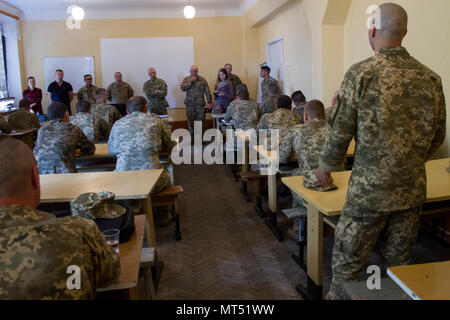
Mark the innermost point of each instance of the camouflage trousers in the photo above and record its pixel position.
(356, 234)
(195, 113)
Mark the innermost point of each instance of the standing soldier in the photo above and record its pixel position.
(118, 93)
(155, 91)
(196, 88)
(87, 92)
(265, 74)
(235, 80)
(395, 107)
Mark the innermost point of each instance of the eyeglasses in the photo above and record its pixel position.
(88, 79)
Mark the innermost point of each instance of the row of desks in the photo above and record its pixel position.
(322, 204)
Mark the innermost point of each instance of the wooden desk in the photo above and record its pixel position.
(130, 257)
(424, 281)
(126, 185)
(331, 204)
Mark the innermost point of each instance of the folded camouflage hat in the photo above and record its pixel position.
(96, 206)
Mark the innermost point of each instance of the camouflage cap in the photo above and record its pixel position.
(96, 206)
(23, 120)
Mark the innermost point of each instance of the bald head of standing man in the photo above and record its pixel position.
(394, 107)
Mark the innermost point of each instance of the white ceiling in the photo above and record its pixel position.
(104, 9)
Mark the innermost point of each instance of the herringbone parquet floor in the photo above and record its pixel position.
(227, 252)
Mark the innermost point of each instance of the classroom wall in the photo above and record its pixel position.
(216, 42)
(290, 22)
(427, 40)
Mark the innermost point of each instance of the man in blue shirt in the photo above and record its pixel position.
(60, 91)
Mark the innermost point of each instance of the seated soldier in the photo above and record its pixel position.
(4, 127)
(243, 112)
(107, 112)
(58, 142)
(268, 106)
(36, 248)
(283, 118)
(93, 128)
(23, 118)
(137, 140)
(306, 140)
(299, 103)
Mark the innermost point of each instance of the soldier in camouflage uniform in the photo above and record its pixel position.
(155, 91)
(306, 141)
(395, 107)
(137, 140)
(36, 248)
(23, 118)
(92, 127)
(4, 127)
(235, 80)
(243, 112)
(118, 93)
(196, 88)
(86, 93)
(283, 118)
(58, 141)
(265, 74)
(102, 110)
(299, 103)
(268, 105)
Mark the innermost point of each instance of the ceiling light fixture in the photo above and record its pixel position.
(189, 11)
(78, 12)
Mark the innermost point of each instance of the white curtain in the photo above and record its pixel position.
(3, 83)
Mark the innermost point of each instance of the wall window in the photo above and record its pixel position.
(3, 73)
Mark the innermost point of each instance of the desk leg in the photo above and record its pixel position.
(244, 189)
(150, 233)
(314, 255)
(272, 222)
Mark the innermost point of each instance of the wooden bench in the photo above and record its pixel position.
(169, 197)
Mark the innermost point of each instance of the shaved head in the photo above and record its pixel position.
(394, 20)
(389, 26)
(315, 110)
(17, 170)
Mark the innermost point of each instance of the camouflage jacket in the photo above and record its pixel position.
(306, 140)
(36, 250)
(56, 146)
(282, 119)
(107, 112)
(93, 128)
(137, 140)
(119, 92)
(4, 127)
(195, 92)
(235, 81)
(23, 119)
(265, 88)
(87, 94)
(268, 105)
(157, 102)
(243, 113)
(394, 106)
(300, 110)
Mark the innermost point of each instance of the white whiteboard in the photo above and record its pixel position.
(171, 57)
(74, 70)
